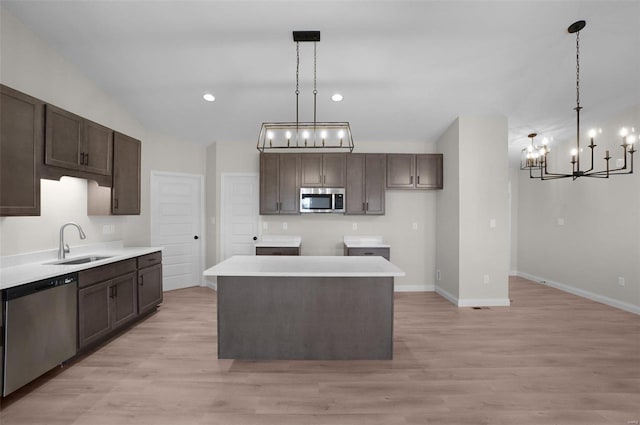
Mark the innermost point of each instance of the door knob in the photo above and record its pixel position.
(196, 237)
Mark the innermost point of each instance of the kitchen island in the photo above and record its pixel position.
(308, 307)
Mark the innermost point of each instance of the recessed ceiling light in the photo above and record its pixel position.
(337, 97)
(209, 97)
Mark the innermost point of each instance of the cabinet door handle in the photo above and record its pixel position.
(115, 203)
(418, 179)
(410, 179)
(86, 158)
(364, 206)
(368, 253)
(141, 280)
(111, 292)
(115, 291)
(81, 158)
(324, 179)
(367, 208)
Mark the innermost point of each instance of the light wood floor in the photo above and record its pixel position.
(550, 358)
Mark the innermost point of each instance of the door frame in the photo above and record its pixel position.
(223, 180)
(153, 196)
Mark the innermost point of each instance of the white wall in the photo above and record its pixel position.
(473, 256)
(600, 239)
(448, 216)
(484, 250)
(412, 250)
(29, 65)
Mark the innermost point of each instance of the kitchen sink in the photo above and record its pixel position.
(81, 260)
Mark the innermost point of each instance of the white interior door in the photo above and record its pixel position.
(177, 202)
(239, 221)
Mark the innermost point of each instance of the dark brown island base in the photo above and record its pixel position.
(305, 308)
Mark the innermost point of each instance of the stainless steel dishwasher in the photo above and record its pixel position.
(40, 328)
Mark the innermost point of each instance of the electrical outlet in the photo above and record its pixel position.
(285, 226)
(561, 222)
(492, 223)
(354, 226)
(414, 226)
(621, 281)
(438, 275)
(485, 279)
(108, 229)
(265, 225)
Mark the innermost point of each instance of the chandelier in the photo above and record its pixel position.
(535, 158)
(305, 135)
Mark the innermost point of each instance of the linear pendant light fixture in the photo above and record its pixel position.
(334, 136)
(535, 158)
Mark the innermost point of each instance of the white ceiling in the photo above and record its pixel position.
(406, 69)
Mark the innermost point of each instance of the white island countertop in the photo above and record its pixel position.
(365, 242)
(37, 266)
(305, 266)
(279, 241)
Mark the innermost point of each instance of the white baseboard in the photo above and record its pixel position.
(484, 302)
(414, 288)
(473, 302)
(446, 295)
(582, 293)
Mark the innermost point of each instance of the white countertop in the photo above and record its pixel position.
(305, 266)
(20, 272)
(365, 242)
(279, 241)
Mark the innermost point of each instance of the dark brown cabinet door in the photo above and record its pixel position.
(63, 138)
(269, 191)
(375, 173)
(289, 183)
(311, 174)
(94, 313)
(365, 184)
(355, 187)
(125, 195)
(149, 288)
(400, 171)
(97, 154)
(322, 170)
(21, 145)
(124, 301)
(429, 171)
(333, 170)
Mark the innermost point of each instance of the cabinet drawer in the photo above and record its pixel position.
(277, 251)
(150, 260)
(106, 272)
(379, 252)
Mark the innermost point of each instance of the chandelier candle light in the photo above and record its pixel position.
(535, 158)
(305, 135)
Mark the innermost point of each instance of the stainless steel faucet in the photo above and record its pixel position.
(63, 249)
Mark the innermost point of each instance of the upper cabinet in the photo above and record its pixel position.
(414, 171)
(125, 194)
(323, 170)
(365, 190)
(21, 139)
(429, 171)
(75, 143)
(279, 183)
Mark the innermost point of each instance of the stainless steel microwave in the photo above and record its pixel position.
(322, 200)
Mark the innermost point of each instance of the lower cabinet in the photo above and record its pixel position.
(376, 252)
(106, 306)
(149, 282)
(277, 250)
(112, 296)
